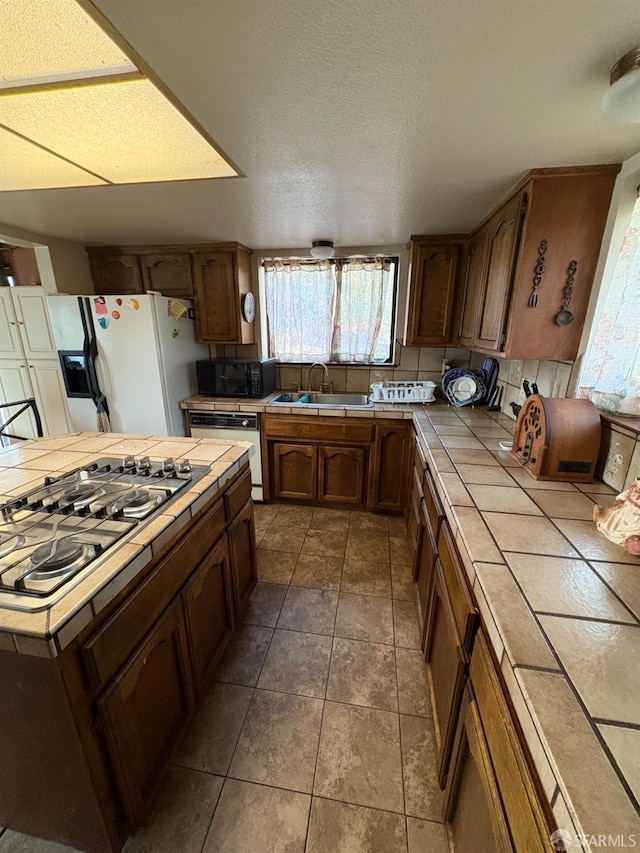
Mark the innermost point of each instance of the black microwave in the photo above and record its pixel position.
(236, 377)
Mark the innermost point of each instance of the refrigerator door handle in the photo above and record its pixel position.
(91, 351)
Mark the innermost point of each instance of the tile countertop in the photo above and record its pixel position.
(46, 632)
(561, 605)
(403, 411)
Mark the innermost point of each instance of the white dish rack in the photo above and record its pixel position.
(403, 392)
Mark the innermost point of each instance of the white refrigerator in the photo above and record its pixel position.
(132, 357)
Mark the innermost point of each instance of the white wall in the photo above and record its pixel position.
(63, 264)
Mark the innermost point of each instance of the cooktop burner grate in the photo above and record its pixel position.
(53, 533)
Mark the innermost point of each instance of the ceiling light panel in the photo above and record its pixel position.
(126, 132)
(26, 167)
(53, 39)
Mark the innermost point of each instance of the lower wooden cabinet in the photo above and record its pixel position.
(209, 605)
(342, 474)
(145, 711)
(341, 461)
(491, 799)
(295, 471)
(451, 623)
(387, 478)
(473, 811)
(242, 550)
(424, 565)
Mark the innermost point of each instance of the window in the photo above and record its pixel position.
(610, 374)
(340, 310)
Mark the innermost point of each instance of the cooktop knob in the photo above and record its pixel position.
(245, 423)
(129, 462)
(168, 464)
(184, 466)
(144, 462)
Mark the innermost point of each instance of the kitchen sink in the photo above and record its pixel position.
(311, 398)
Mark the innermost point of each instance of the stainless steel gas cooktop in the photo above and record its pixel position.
(52, 535)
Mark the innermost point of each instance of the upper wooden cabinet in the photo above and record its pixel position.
(168, 272)
(431, 291)
(470, 287)
(216, 275)
(532, 256)
(114, 271)
(222, 280)
(501, 234)
(542, 246)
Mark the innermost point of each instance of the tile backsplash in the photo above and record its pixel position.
(619, 460)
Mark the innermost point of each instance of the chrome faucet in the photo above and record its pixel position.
(326, 375)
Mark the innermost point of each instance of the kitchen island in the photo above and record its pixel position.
(97, 687)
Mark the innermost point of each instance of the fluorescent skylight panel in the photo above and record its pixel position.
(124, 132)
(26, 167)
(53, 39)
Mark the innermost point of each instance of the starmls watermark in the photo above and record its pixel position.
(562, 840)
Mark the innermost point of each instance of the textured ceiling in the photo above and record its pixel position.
(362, 122)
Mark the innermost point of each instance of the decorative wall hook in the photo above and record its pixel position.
(538, 272)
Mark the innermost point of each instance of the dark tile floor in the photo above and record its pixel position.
(316, 736)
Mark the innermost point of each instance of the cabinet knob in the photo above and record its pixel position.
(12, 323)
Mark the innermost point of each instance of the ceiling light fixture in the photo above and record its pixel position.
(621, 101)
(83, 109)
(322, 250)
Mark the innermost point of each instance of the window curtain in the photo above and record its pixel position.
(338, 311)
(301, 299)
(610, 374)
(363, 320)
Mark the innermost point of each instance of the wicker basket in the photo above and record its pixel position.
(403, 392)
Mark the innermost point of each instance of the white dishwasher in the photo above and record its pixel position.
(232, 426)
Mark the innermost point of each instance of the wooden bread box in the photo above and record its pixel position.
(557, 438)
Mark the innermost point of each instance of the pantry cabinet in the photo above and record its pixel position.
(339, 461)
(29, 364)
(431, 290)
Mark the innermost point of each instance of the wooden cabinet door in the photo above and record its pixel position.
(145, 711)
(526, 810)
(447, 664)
(503, 235)
(16, 385)
(473, 808)
(389, 471)
(208, 600)
(342, 474)
(433, 276)
(471, 286)
(425, 560)
(33, 323)
(50, 395)
(217, 308)
(242, 550)
(295, 470)
(10, 344)
(115, 273)
(168, 273)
